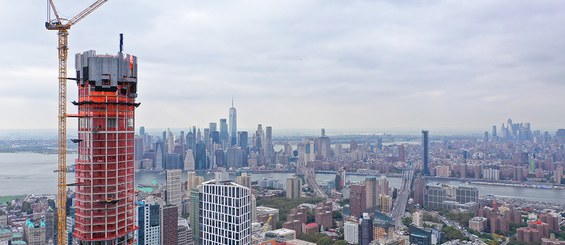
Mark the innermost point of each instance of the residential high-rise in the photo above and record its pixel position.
(148, 221)
(385, 203)
(383, 185)
(371, 192)
(357, 200)
(365, 230)
(426, 151)
(351, 232)
(169, 222)
(233, 124)
(105, 194)
(293, 187)
(225, 209)
(419, 185)
(244, 180)
(173, 194)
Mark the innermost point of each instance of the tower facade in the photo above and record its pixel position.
(105, 197)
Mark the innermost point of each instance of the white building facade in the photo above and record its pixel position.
(225, 213)
(351, 232)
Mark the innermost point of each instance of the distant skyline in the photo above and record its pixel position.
(362, 66)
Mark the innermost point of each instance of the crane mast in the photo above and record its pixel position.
(63, 51)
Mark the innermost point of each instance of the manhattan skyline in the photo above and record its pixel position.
(362, 66)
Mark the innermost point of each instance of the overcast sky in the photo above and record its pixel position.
(360, 65)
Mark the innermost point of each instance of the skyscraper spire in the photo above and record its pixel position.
(233, 124)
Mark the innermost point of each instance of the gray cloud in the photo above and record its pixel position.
(304, 64)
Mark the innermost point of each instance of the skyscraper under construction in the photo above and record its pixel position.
(105, 198)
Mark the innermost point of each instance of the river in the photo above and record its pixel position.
(32, 173)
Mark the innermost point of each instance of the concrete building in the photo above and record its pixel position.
(183, 233)
(324, 218)
(491, 173)
(34, 232)
(311, 228)
(551, 241)
(351, 232)
(478, 223)
(558, 174)
(281, 235)
(225, 209)
(293, 187)
(299, 242)
(542, 227)
(3, 221)
(107, 89)
(295, 225)
(443, 171)
(434, 195)
(439, 196)
(263, 214)
(417, 219)
(466, 194)
(528, 235)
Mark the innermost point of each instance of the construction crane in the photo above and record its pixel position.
(62, 26)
